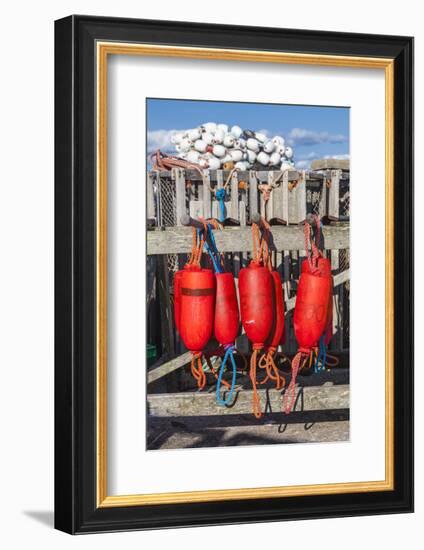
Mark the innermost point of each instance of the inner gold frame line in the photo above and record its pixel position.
(103, 50)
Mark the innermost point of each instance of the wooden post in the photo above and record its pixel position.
(167, 329)
(234, 214)
(285, 197)
(301, 197)
(253, 193)
(323, 199)
(207, 211)
(180, 192)
(334, 195)
(337, 339)
(151, 214)
(215, 204)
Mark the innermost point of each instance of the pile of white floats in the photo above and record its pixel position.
(216, 146)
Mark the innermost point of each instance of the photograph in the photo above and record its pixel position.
(247, 273)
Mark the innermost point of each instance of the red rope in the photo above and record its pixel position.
(290, 395)
(167, 162)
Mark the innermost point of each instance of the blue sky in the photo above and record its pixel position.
(313, 131)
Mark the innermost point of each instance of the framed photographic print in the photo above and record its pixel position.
(234, 274)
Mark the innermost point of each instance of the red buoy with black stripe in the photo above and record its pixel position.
(196, 305)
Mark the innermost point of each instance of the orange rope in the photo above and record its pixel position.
(193, 252)
(256, 238)
(334, 361)
(267, 362)
(256, 401)
(198, 372)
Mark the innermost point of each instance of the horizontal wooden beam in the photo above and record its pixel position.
(156, 372)
(311, 398)
(178, 240)
(313, 178)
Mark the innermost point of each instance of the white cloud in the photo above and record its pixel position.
(301, 136)
(303, 164)
(311, 155)
(160, 139)
(345, 156)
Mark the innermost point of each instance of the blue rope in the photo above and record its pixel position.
(322, 355)
(227, 400)
(220, 197)
(212, 250)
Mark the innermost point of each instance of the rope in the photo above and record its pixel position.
(256, 401)
(229, 349)
(261, 248)
(321, 356)
(310, 243)
(290, 394)
(198, 372)
(220, 197)
(161, 161)
(272, 373)
(211, 247)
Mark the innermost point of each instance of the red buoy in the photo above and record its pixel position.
(256, 302)
(277, 334)
(197, 301)
(226, 323)
(312, 304)
(313, 309)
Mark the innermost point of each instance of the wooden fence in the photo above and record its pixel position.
(293, 195)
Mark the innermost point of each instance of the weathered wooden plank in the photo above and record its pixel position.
(207, 211)
(196, 209)
(242, 206)
(171, 240)
(330, 164)
(262, 175)
(285, 197)
(170, 366)
(301, 198)
(253, 193)
(337, 339)
(180, 193)
(275, 212)
(323, 199)
(166, 319)
(235, 215)
(151, 213)
(334, 196)
(184, 404)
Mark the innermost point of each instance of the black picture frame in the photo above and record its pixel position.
(76, 510)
